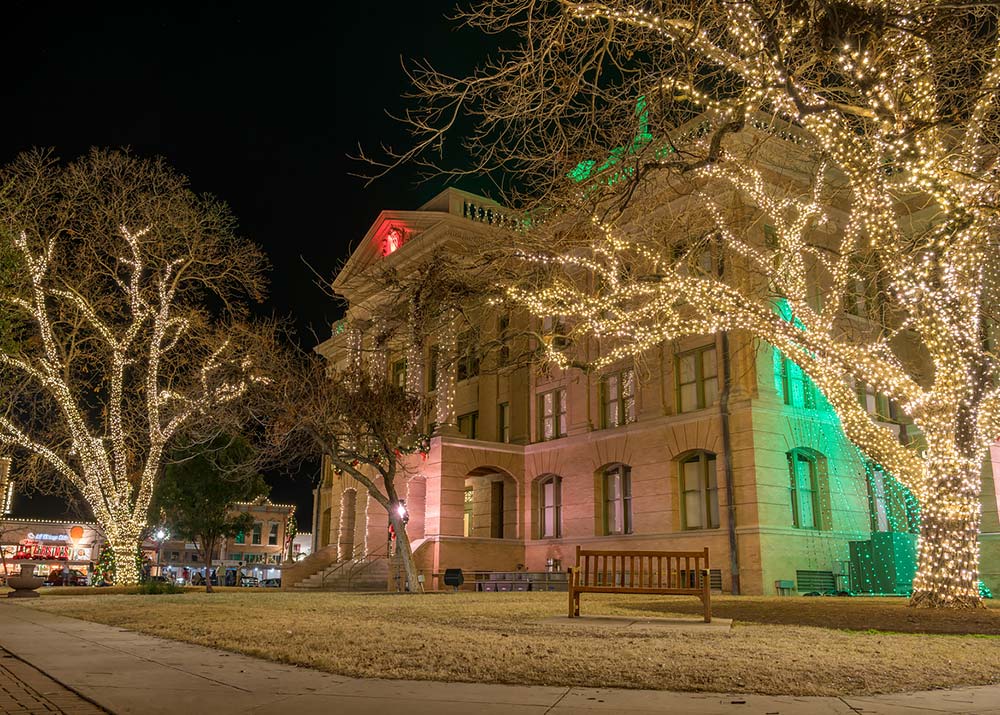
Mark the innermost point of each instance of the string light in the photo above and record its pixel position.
(893, 154)
(118, 498)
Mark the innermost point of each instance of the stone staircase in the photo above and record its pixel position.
(369, 572)
(355, 575)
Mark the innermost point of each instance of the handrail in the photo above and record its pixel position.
(350, 564)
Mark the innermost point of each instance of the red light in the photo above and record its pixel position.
(393, 240)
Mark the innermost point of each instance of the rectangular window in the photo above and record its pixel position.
(503, 327)
(618, 500)
(554, 332)
(468, 356)
(468, 511)
(241, 538)
(468, 425)
(432, 377)
(236, 556)
(399, 374)
(697, 379)
(272, 534)
(876, 403)
(618, 398)
(802, 472)
(877, 500)
(257, 528)
(503, 422)
(549, 507)
(552, 414)
(700, 488)
(797, 389)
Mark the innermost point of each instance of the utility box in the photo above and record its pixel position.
(886, 564)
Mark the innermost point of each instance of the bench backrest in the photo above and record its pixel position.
(641, 570)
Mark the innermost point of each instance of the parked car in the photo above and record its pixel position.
(65, 577)
(199, 580)
(271, 583)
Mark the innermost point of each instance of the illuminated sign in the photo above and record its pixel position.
(47, 537)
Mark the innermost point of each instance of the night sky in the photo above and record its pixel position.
(259, 104)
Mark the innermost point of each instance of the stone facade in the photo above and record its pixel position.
(486, 499)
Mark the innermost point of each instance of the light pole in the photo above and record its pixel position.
(161, 535)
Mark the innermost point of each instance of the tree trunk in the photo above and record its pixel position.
(405, 553)
(126, 569)
(948, 549)
(208, 550)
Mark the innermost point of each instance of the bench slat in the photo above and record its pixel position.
(632, 572)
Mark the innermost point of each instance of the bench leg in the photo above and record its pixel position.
(706, 596)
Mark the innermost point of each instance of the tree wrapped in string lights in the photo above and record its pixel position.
(118, 351)
(863, 134)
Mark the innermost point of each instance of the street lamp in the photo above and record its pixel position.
(160, 536)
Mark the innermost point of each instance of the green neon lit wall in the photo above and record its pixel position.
(885, 562)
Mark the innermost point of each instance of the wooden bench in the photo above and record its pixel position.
(669, 573)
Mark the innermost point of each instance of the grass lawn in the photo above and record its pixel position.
(795, 646)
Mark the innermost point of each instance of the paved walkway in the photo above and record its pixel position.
(127, 672)
(25, 690)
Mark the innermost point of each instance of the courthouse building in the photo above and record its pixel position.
(526, 464)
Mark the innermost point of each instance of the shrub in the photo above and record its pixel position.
(156, 588)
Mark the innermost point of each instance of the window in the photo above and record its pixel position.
(468, 425)
(554, 332)
(693, 258)
(884, 409)
(468, 357)
(432, 377)
(804, 490)
(468, 512)
(503, 422)
(771, 242)
(552, 414)
(699, 492)
(194, 557)
(797, 389)
(863, 294)
(257, 528)
(503, 325)
(236, 556)
(878, 508)
(618, 398)
(399, 374)
(272, 534)
(618, 499)
(241, 538)
(697, 379)
(550, 507)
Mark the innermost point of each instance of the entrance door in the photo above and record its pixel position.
(496, 510)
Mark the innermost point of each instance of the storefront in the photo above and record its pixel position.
(49, 545)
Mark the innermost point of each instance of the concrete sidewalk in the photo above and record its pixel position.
(126, 672)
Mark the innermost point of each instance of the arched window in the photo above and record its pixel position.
(550, 507)
(804, 480)
(617, 499)
(699, 491)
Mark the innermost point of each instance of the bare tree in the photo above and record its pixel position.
(130, 290)
(361, 423)
(882, 120)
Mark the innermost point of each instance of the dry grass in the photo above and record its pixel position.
(491, 638)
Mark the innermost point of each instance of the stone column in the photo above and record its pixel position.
(445, 412)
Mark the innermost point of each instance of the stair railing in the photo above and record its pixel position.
(349, 567)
